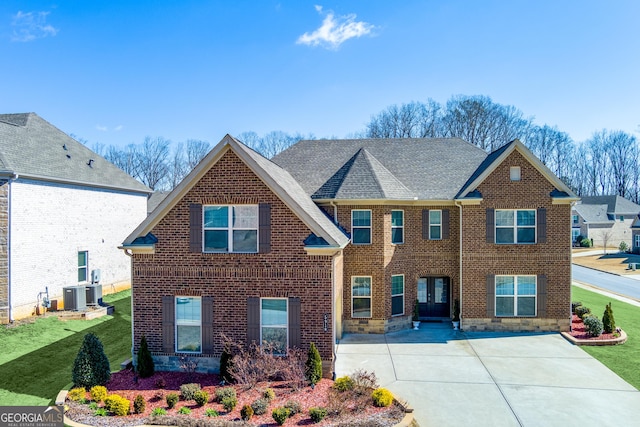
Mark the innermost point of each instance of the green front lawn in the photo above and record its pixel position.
(36, 358)
(621, 359)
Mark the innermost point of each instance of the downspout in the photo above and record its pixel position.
(335, 211)
(9, 299)
(459, 205)
(570, 268)
(128, 253)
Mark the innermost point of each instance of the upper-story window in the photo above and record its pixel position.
(361, 226)
(514, 173)
(397, 227)
(435, 224)
(515, 226)
(230, 228)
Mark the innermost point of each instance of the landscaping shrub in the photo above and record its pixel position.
(226, 363)
(98, 393)
(117, 404)
(188, 391)
(211, 413)
(145, 366)
(76, 394)
(623, 247)
(608, 322)
(269, 394)
(317, 414)
(582, 311)
(172, 399)
(91, 366)
(246, 412)
(93, 406)
(159, 411)
(574, 305)
(280, 415)
(201, 397)
(382, 397)
(343, 383)
(100, 412)
(229, 403)
(585, 243)
(223, 392)
(160, 383)
(364, 381)
(293, 406)
(139, 404)
(260, 406)
(313, 366)
(184, 411)
(593, 325)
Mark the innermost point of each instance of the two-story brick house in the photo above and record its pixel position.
(335, 236)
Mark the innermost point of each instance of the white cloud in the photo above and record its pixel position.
(102, 128)
(335, 30)
(118, 128)
(28, 26)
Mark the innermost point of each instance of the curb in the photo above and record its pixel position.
(615, 341)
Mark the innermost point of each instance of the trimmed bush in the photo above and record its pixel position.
(574, 305)
(317, 414)
(159, 412)
(582, 311)
(260, 406)
(593, 325)
(585, 243)
(382, 397)
(172, 399)
(100, 412)
(201, 397)
(294, 406)
(98, 393)
(76, 394)
(117, 404)
(93, 406)
(145, 366)
(623, 246)
(226, 363)
(211, 413)
(313, 365)
(91, 366)
(139, 404)
(188, 391)
(184, 411)
(246, 412)
(224, 392)
(343, 383)
(608, 322)
(280, 415)
(269, 394)
(229, 403)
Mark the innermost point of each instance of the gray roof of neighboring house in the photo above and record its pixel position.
(33, 148)
(616, 205)
(154, 200)
(398, 169)
(593, 214)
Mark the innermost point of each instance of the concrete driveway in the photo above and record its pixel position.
(492, 379)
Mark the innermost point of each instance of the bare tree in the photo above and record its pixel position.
(272, 143)
(196, 151)
(412, 120)
(606, 235)
(622, 151)
(126, 159)
(153, 167)
(178, 166)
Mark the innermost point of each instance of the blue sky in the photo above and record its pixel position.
(116, 71)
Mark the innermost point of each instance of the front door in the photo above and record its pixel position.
(433, 297)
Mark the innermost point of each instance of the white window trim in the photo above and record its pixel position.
(515, 227)
(515, 295)
(370, 297)
(396, 295)
(515, 173)
(177, 323)
(435, 224)
(286, 326)
(86, 266)
(370, 227)
(637, 240)
(230, 228)
(396, 227)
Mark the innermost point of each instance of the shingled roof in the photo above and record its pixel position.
(593, 214)
(616, 205)
(33, 148)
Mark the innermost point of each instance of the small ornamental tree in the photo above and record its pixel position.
(91, 366)
(313, 370)
(145, 366)
(608, 322)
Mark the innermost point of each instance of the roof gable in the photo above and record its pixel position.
(616, 205)
(593, 214)
(276, 178)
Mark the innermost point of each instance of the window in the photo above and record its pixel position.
(397, 227)
(621, 218)
(515, 295)
(514, 173)
(575, 219)
(361, 296)
(274, 324)
(637, 240)
(435, 224)
(188, 324)
(361, 227)
(83, 259)
(575, 232)
(397, 295)
(231, 228)
(515, 226)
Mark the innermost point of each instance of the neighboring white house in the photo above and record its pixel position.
(64, 210)
(604, 217)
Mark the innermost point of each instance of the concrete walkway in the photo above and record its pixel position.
(492, 379)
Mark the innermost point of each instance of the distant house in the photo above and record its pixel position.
(635, 235)
(63, 212)
(334, 236)
(597, 217)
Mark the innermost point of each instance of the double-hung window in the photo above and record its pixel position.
(515, 296)
(515, 226)
(83, 262)
(397, 295)
(230, 228)
(435, 224)
(397, 227)
(637, 241)
(188, 324)
(274, 324)
(361, 296)
(575, 232)
(361, 227)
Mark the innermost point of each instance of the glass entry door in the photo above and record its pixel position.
(433, 296)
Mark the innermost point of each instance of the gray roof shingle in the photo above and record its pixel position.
(616, 205)
(593, 214)
(33, 148)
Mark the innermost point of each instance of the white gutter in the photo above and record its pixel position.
(459, 204)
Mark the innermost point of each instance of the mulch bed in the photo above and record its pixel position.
(579, 331)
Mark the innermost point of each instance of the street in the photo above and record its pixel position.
(607, 281)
